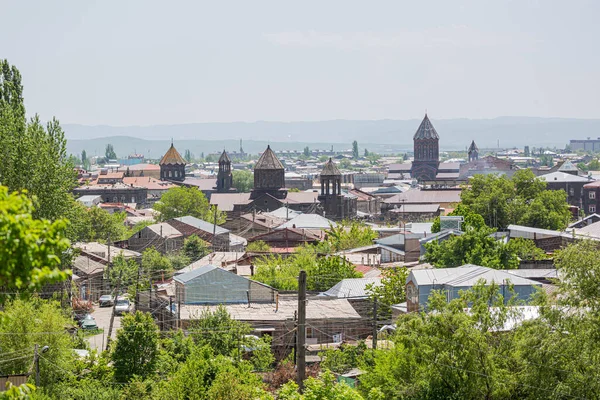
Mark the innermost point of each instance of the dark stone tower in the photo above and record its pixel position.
(224, 176)
(335, 204)
(473, 152)
(172, 166)
(427, 152)
(269, 175)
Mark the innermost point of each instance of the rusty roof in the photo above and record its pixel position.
(172, 156)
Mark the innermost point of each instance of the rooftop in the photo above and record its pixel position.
(426, 130)
(172, 156)
(268, 160)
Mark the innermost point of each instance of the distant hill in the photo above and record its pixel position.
(454, 134)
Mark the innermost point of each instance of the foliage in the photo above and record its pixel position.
(104, 225)
(521, 200)
(30, 249)
(21, 392)
(306, 152)
(219, 331)
(350, 234)
(476, 246)
(258, 246)
(182, 201)
(153, 261)
(136, 348)
(471, 219)
(262, 356)
(139, 226)
(526, 249)
(109, 152)
(343, 359)
(178, 260)
(579, 267)
(243, 181)
(188, 156)
(322, 272)
(392, 289)
(324, 387)
(355, 153)
(195, 248)
(122, 271)
(36, 321)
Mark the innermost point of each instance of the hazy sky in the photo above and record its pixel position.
(162, 62)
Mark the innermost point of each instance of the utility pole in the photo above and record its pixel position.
(295, 336)
(137, 287)
(36, 361)
(214, 229)
(375, 324)
(301, 349)
(112, 315)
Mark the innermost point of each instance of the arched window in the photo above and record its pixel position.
(176, 174)
(170, 174)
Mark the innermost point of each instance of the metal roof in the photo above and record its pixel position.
(188, 276)
(563, 177)
(352, 288)
(308, 221)
(224, 158)
(466, 276)
(202, 225)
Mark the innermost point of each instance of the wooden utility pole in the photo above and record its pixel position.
(300, 345)
(137, 287)
(36, 361)
(375, 323)
(112, 315)
(214, 238)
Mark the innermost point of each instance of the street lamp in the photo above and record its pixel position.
(36, 361)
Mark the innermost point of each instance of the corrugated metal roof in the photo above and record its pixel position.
(284, 213)
(563, 177)
(466, 275)
(188, 276)
(352, 288)
(202, 225)
(164, 230)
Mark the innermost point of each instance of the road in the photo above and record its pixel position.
(102, 316)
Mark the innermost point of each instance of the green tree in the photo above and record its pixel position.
(195, 248)
(104, 225)
(366, 153)
(328, 271)
(25, 323)
(183, 201)
(83, 156)
(125, 269)
(188, 155)
(153, 261)
(258, 247)
(355, 153)
(109, 152)
(324, 387)
(243, 181)
(526, 151)
(476, 246)
(470, 219)
(219, 331)
(30, 249)
(350, 234)
(306, 152)
(391, 290)
(136, 347)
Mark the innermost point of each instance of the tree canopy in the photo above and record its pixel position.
(243, 181)
(183, 201)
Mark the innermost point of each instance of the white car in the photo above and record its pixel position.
(123, 306)
(106, 300)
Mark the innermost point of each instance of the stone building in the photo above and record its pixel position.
(427, 152)
(336, 204)
(172, 166)
(473, 152)
(224, 176)
(269, 175)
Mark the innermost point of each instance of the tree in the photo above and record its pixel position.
(470, 219)
(106, 226)
(109, 152)
(350, 234)
(153, 261)
(122, 272)
(188, 155)
(392, 289)
(25, 323)
(83, 156)
(526, 151)
(195, 248)
(30, 249)
(258, 247)
(355, 153)
(183, 201)
(136, 347)
(366, 153)
(328, 271)
(306, 152)
(579, 267)
(219, 331)
(243, 181)
(324, 387)
(475, 246)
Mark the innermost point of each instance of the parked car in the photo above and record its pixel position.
(88, 322)
(123, 306)
(106, 300)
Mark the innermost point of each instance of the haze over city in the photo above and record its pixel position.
(151, 62)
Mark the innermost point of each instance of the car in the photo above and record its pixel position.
(88, 323)
(123, 306)
(106, 300)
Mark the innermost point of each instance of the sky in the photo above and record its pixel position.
(152, 62)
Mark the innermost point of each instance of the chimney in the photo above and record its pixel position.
(251, 269)
(276, 301)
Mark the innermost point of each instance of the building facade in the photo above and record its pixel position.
(224, 176)
(426, 152)
(172, 166)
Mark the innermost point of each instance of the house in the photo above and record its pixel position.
(445, 198)
(227, 260)
(219, 237)
(375, 254)
(289, 237)
(90, 200)
(88, 277)
(421, 283)
(590, 219)
(162, 236)
(573, 185)
(213, 285)
(308, 221)
(365, 202)
(546, 239)
(352, 288)
(252, 224)
(591, 197)
(413, 212)
(407, 242)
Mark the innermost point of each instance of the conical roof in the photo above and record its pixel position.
(426, 130)
(268, 160)
(224, 158)
(473, 147)
(172, 156)
(330, 169)
(567, 166)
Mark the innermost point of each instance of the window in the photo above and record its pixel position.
(176, 174)
(309, 332)
(571, 191)
(592, 195)
(592, 208)
(170, 174)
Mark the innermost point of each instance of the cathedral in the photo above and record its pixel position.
(426, 152)
(172, 166)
